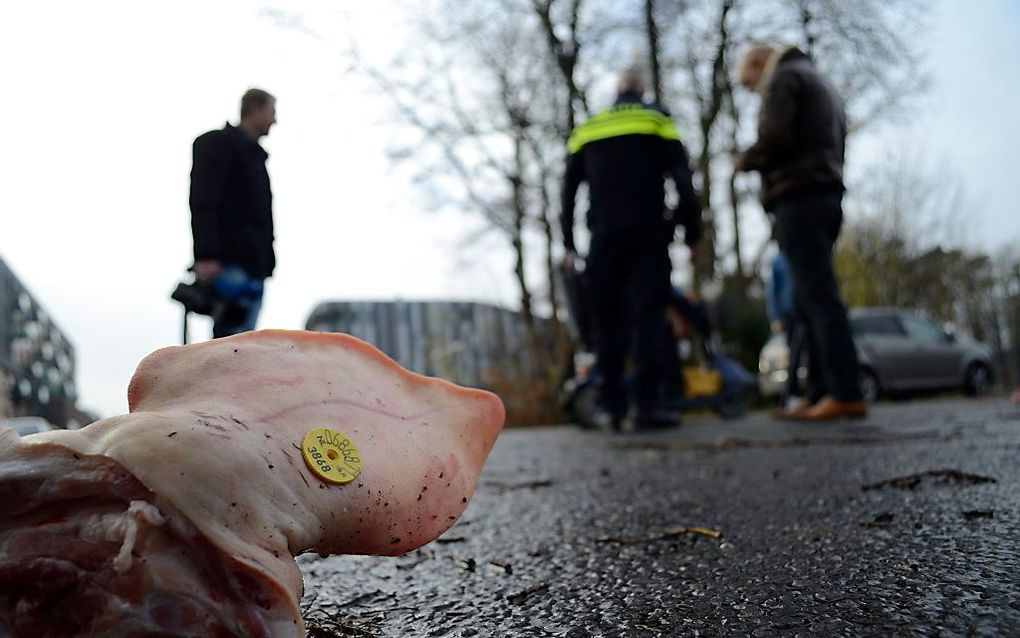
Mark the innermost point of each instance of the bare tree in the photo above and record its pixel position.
(736, 198)
(487, 106)
(870, 49)
(566, 51)
(703, 70)
(488, 91)
(909, 221)
(654, 51)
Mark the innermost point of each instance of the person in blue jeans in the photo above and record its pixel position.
(784, 320)
(232, 213)
(242, 297)
(799, 155)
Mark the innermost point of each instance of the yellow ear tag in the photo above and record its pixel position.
(331, 455)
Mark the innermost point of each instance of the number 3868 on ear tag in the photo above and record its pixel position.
(331, 455)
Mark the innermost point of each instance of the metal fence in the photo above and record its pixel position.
(463, 342)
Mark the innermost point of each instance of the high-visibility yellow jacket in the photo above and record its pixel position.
(625, 153)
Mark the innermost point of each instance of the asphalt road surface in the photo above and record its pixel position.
(906, 524)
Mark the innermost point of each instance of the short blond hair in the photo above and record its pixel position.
(631, 80)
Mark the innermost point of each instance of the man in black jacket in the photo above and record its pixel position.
(232, 211)
(624, 154)
(799, 153)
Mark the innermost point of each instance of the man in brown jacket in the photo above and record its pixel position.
(799, 153)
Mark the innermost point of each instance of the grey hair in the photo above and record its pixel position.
(755, 51)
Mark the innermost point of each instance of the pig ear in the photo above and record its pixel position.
(170, 374)
(174, 372)
(169, 371)
(147, 375)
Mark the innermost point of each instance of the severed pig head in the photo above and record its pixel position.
(182, 518)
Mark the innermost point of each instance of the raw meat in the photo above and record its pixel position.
(182, 518)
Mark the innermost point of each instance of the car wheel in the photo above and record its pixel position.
(869, 385)
(978, 380)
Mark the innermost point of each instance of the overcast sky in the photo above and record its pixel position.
(101, 101)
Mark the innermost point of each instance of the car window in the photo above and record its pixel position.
(921, 330)
(877, 326)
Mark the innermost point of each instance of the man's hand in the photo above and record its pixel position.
(208, 269)
(777, 327)
(569, 263)
(695, 250)
(740, 161)
(677, 324)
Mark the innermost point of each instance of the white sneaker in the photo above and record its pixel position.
(794, 403)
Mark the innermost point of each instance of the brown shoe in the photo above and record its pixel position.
(829, 409)
(795, 412)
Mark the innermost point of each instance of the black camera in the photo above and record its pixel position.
(200, 298)
(196, 297)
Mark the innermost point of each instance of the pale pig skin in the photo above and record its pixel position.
(215, 430)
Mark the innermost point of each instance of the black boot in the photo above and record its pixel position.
(656, 419)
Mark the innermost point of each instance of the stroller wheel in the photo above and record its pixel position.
(734, 406)
(585, 406)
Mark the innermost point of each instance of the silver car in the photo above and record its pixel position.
(899, 351)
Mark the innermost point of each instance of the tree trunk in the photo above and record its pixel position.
(1014, 333)
(566, 55)
(517, 237)
(550, 240)
(704, 267)
(654, 54)
(704, 263)
(741, 275)
(562, 350)
(806, 22)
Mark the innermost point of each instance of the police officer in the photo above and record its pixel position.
(624, 154)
